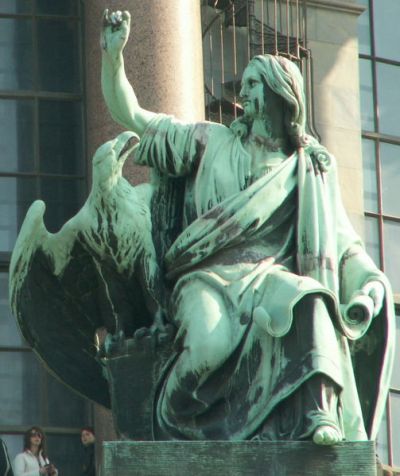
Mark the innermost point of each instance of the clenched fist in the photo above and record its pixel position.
(115, 32)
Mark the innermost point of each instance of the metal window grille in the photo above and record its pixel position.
(236, 30)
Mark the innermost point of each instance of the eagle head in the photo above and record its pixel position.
(110, 158)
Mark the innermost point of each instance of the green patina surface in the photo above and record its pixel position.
(238, 459)
(284, 325)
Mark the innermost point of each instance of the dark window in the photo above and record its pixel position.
(379, 38)
(17, 137)
(236, 30)
(58, 55)
(16, 54)
(60, 137)
(41, 156)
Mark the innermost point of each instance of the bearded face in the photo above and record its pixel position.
(252, 93)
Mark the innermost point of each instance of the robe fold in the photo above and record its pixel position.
(259, 247)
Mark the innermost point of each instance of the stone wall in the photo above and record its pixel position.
(332, 38)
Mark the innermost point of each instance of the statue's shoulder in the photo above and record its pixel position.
(218, 130)
(212, 133)
(164, 121)
(320, 154)
(215, 127)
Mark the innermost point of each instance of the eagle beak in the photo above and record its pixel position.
(129, 141)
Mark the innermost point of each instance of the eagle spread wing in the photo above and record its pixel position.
(99, 271)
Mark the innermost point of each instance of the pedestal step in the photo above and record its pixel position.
(244, 458)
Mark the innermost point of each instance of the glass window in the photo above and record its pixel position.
(395, 418)
(392, 253)
(390, 166)
(9, 332)
(56, 7)
(63, 198)
(372, 239)
(16, 138)
(388, 78)
(21, 381)
(364, 35)
(395, 382)
(369, 169)
(366, 96)
(60, 137)
(15, 6)
(14, 443)
(386, 36)
(65, 451)
(42, 138)
(16, 196)
(16, 54)
(58, 55)
(387, 31)
(72, 413)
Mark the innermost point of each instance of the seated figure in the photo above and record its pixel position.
(283, 324)
(265, 258)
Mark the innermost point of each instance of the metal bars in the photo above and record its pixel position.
(236, 30)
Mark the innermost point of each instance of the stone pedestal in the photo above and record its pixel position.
(133, 376)
(244, 458)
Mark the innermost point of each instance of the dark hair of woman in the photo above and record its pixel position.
(90, 429)
(27, 439)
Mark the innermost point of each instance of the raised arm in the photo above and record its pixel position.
(118, 93)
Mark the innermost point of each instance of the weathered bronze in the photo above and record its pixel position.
(239, 302)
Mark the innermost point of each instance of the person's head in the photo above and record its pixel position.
(273, 81)
(34, 439)
(87, 436)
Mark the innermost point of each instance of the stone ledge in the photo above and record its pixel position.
(385, 470)
(337, 5)
(245, 458)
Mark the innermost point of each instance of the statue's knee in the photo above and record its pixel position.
(210, 351)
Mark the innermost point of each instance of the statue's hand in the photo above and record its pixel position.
(376, 291)
(115, 32)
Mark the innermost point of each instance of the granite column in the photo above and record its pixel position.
(163, 60)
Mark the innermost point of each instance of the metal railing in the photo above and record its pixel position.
(236, 30)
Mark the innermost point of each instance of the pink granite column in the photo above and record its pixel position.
(164, 64)
(163, 60)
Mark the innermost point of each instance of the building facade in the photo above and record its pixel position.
(184, 58)
(379, 66)
(42, 155)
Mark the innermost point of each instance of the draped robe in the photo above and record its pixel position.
(266, 243)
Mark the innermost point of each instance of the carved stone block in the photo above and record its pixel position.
(245, 458)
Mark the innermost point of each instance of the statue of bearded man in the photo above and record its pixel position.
(264, 265)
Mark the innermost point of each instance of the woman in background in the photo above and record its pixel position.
(33, 461)
(88, 440)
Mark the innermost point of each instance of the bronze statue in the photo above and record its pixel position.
(282, 325)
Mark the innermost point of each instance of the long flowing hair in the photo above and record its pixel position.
(284, 78)
(27, 440)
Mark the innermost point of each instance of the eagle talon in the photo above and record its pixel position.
(114, 343)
